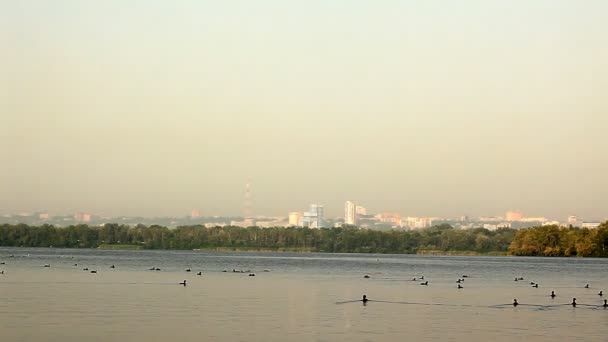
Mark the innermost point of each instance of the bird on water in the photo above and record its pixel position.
(183, 283)
(553, 294)
(574, 302)
(515, 303)
(364, 300)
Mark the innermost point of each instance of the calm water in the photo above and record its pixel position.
(296, 299)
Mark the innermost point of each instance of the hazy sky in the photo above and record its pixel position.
(422, 107)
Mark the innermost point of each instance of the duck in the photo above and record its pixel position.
(535, 285)
(93, 271)
(574, 302)
(366, 276)
(516, 279)
(199, 273)
(515, 303)
(465, 276)
(601, 293)
(75, 265)
(552, 294)
(183, 283)
(47, 265)
(252, 274)
(426, 283)
(85, 269)
(587, 286)
(460, 287)
(605, 303)
(188, 270)
(112, 266)
(364, 300)
(157, 269)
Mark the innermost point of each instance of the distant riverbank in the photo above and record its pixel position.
(437, 240)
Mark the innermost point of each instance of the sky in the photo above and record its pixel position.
(426, 108)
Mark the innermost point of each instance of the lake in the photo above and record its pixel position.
(296, 298)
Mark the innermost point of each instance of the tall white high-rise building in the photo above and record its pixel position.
(350, 213)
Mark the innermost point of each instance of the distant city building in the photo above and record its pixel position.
(533, 219)
(361, 211)
(513, 216)
(350, 213)
(390, 218)
(82, 217)
(314, 217)
(490, 219)
(295, 219)
(573, 221)
(195, 213)
(590, 225)
(44, 216)
(497, 226)
(247, 222)
(464, 218)
(551, 223)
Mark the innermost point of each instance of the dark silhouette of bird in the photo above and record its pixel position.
(425, 283)
(183, 283)
(574, 302)
(552, 294)
(515, 303)
(199, 273)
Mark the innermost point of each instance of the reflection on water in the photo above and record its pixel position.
(297, 299)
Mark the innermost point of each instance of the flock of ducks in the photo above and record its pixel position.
(183, 283)
(515, 303)
(367, 276)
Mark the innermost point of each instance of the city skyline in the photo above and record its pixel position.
(430, 108)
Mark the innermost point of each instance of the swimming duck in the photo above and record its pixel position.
(183, 283)
(552, 294)
(574, 302)
(425, 283)
(515, 303)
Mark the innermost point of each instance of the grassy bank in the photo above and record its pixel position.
(257, 249)
(461, 253)
(128, 247)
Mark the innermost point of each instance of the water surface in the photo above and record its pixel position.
(296, 298)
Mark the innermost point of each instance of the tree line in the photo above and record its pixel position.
(561, 241)
(546, 241)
